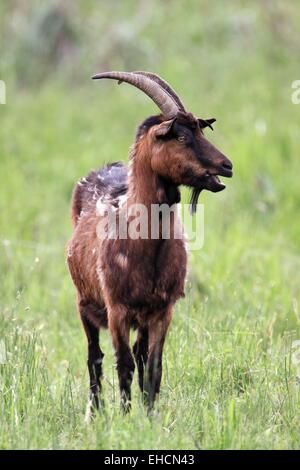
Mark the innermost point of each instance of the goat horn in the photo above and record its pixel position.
(165, 85)
(166, 103)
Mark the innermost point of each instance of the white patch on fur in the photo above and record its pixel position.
(122, 200)
(121, 260)
(82, 214)
(69, 251)
(100, 275)
(101, 207)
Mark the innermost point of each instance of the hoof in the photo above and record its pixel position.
(94, 405)
(125, 405)
(90, 412)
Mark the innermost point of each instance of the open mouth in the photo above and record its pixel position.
(213, 183)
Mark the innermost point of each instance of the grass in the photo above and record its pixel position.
(229, 380)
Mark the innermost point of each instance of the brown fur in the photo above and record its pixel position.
(135, 283)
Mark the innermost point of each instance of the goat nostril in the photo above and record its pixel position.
(227, 165)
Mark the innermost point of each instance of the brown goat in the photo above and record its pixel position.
(125, 282)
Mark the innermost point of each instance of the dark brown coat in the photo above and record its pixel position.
(124, 283)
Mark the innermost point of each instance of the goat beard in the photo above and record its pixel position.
(194, 199)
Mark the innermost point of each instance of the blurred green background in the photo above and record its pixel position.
(230, 380)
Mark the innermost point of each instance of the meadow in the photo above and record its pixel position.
(231, 377)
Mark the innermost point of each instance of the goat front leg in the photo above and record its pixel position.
(119, 327)
(95, 357)
(158, 328)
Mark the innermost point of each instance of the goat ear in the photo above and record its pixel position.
(206, 123)
(164, 128)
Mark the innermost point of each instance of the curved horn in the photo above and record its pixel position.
(160, 96)
(165, 85)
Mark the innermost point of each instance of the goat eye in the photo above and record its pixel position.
(181, 138)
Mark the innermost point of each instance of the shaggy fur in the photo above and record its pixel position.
(125, 283)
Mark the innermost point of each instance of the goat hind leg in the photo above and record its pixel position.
(140, 351)
(95, 357)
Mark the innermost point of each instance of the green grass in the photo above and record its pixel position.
(228, 381)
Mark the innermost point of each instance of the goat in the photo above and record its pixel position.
(125, 283)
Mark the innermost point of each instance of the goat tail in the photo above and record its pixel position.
(76, 206)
